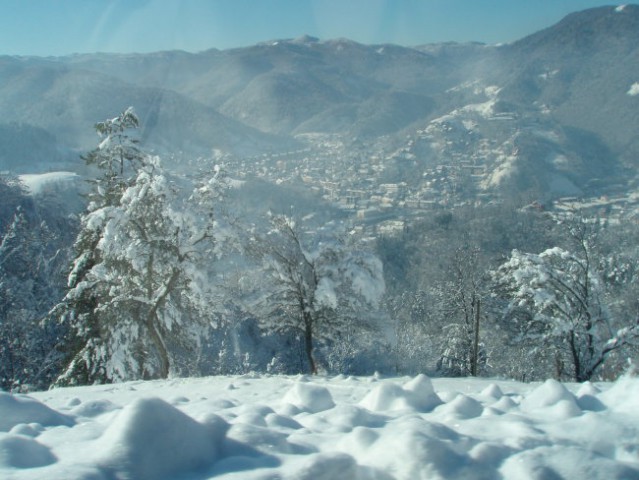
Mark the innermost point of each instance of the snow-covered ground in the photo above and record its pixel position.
(321, 428)
(36, 182)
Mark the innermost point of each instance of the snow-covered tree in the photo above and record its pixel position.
(32, 260)
(139, 283)
(459, 298)
(560, 297)
(117, 157)
(323, 291)
(413, 342)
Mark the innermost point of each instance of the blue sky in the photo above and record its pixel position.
(61, 27)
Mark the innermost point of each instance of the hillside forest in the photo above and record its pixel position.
(324, 206)
(165, 274)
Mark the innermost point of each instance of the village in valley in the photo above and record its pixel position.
(460, 159)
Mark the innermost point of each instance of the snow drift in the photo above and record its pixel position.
(322, 428)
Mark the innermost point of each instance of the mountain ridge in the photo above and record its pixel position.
(569, 81)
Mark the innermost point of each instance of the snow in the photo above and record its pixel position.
(325, 294)
(151, 439)
(36, 182)
(19, 409)
(506, 167)
(309, 398)
(634, 89)
(287, 427)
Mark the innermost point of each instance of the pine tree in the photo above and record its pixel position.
(138, 284)
(32, 257)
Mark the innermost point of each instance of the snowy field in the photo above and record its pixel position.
(36, 182)
(360, 428)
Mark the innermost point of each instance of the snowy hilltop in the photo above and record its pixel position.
(323, 428)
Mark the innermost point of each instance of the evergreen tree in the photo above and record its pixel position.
(32, 258)
(138, 284)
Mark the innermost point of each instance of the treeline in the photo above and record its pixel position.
(160, 276)
(35, 240)
(515, 292)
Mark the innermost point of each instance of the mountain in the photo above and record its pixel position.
(554, 112)
(26, 149)
(582, 69)
(281, 85)
(67, 101)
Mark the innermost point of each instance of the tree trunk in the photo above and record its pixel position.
(578, 374)
(163, 353)
(151, 318)
(308, 343)
(475, 361)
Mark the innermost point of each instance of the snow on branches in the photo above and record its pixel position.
(139, 282)
(319, 289)
(564, 298)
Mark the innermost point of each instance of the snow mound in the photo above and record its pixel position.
(222, 404)
(587, 388)
(359, 440)
(386, 396)
(420, 386)
(282, 421)
(309, 398)
(18, 451)
(541, 431)
(28, 430)
(245, 439)
(462, 407)
(623, 396)
(589, 401)
(417, 394)
(150, 439)
(251, 418)
(258, 409)
(548, 394)
(414, 449)
(504, 404)
(347, 417)
(559, 462)
(74, 402)
(17, 409)
(490, 453)
(328, 466)
(553, 400)
(94, 408)
(492, 391)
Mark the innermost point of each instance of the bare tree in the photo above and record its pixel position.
(460, 302)
(320, 291)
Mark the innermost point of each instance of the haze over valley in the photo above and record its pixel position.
(364, 126)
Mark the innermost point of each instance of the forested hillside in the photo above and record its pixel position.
(307, 205)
